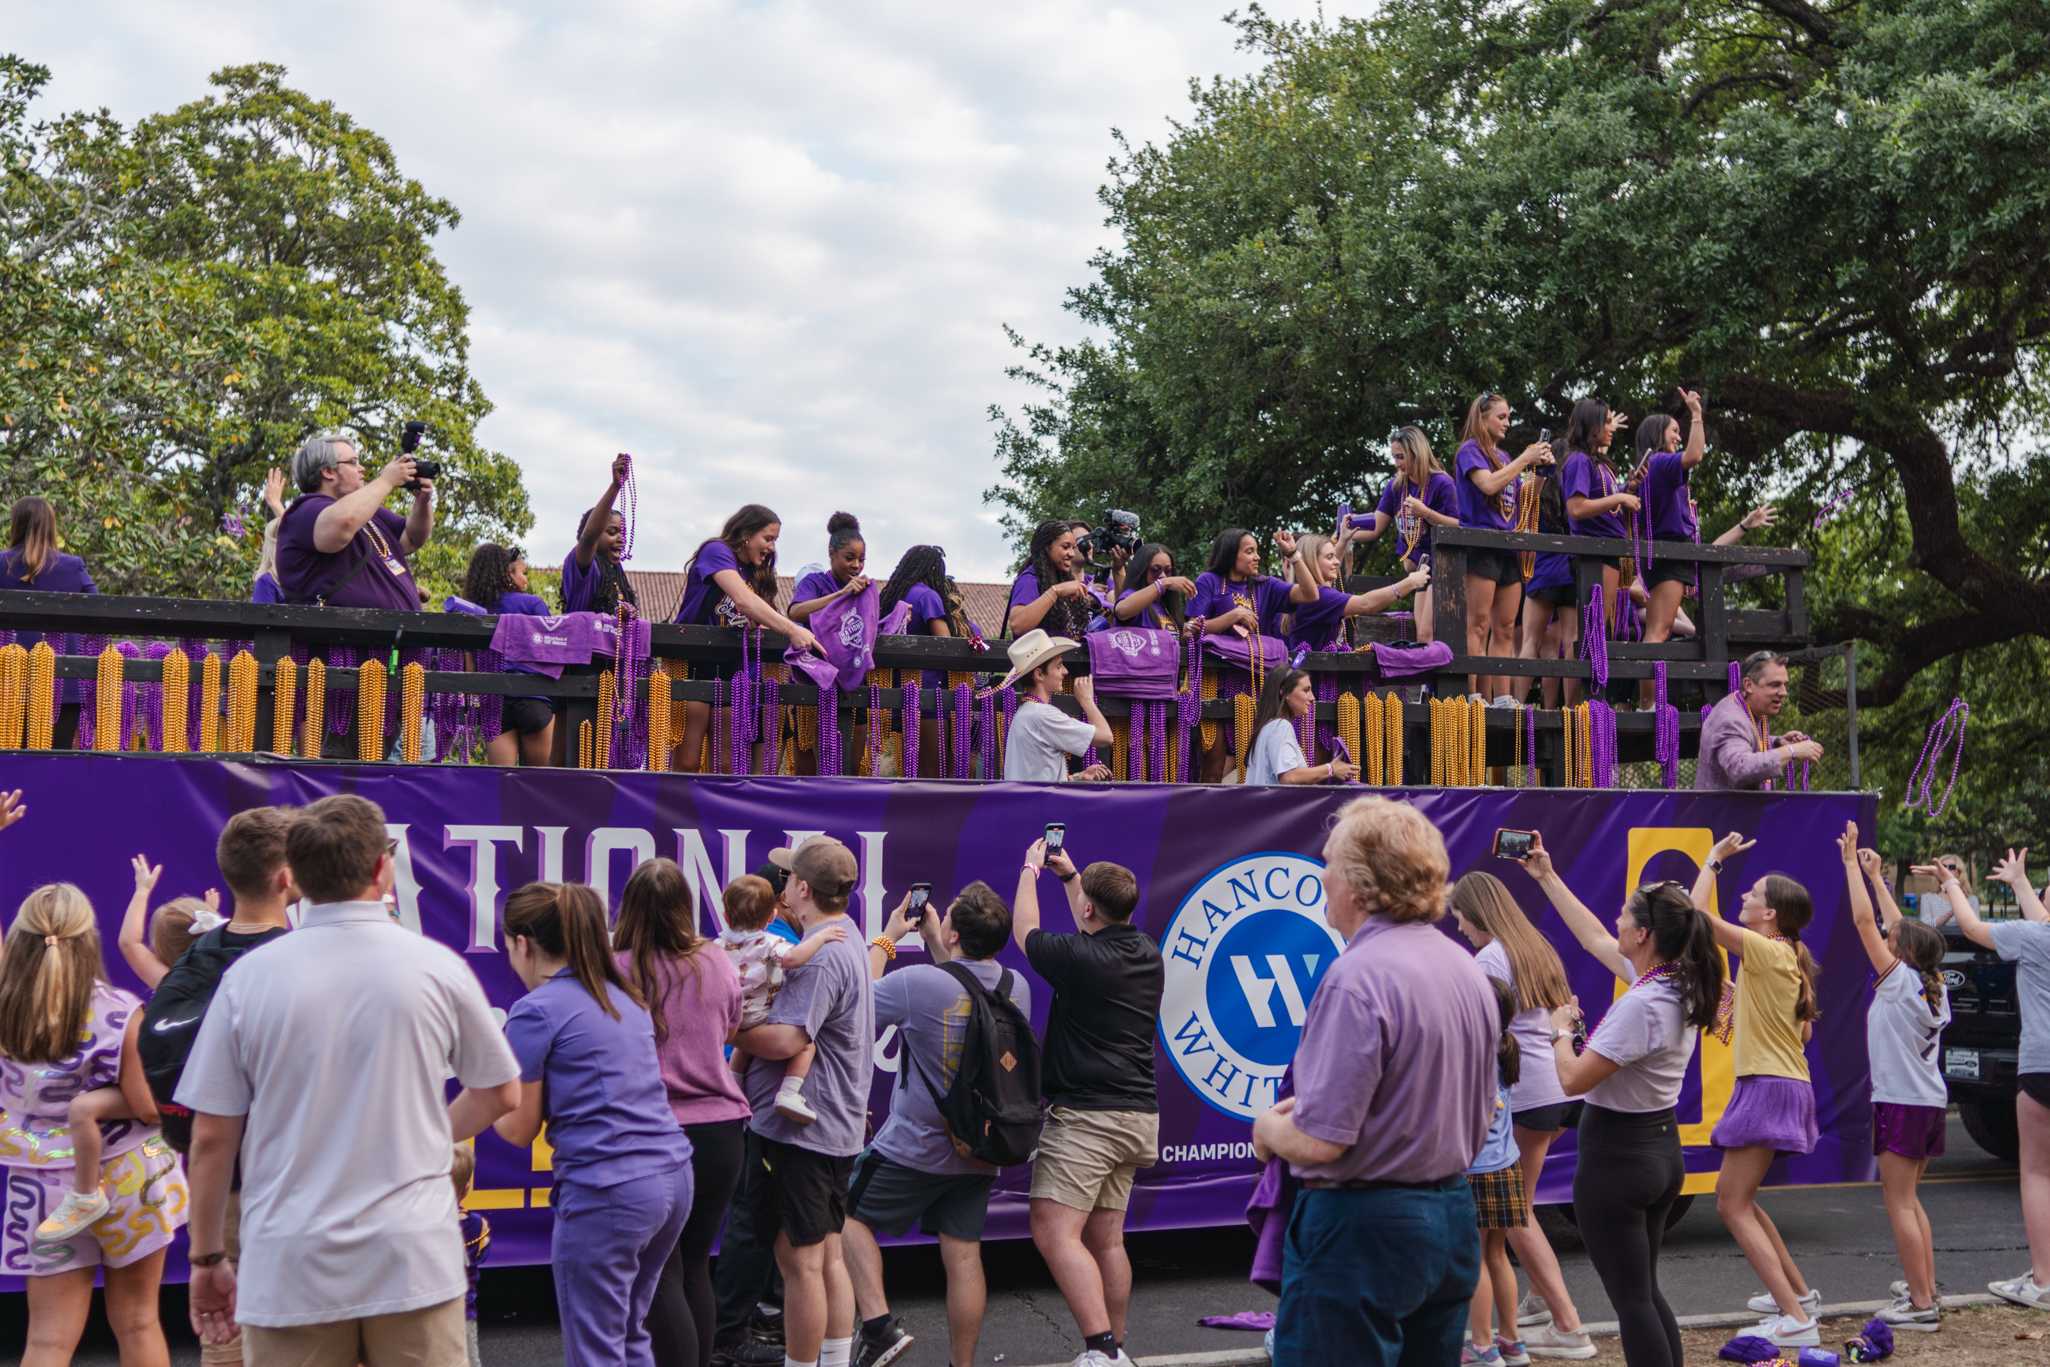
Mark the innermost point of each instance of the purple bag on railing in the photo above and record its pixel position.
(1235, 650)
(899, 618)
(846, 628)
(1134, 662)
(1400, 662)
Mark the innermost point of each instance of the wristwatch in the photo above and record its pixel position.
(206, 1259)
(1715, 866)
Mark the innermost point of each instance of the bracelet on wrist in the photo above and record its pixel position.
(885, 944)
(206, 1259)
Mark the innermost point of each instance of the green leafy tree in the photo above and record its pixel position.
(1830, 218)
(189, 298)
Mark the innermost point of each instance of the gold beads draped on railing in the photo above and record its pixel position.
(13, 696)
(315, 726)
(412, 703)
(284, 704)
(658, 720)
(177, 668)
(243, 674)
(107, 701)
(371, 682)
(608, 703)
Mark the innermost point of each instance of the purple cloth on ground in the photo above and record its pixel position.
(1258, 1321)
(1748, 1348)
(1134, 662)
(1234, 651)
(1400, 662)
(846, 630)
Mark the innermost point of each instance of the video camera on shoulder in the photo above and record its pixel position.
(1118, 530)
(423, 467)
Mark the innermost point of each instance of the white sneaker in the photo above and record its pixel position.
(75, 1214)
(2022, 1290)
(1787, 1332)
(1902, 1314)
(1532, 1310)
(1548, 1340)
(1764, 1304)
(1123, 1359)
(1089, 1357)
(791, 1105)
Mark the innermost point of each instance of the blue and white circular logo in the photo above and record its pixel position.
(1244, 954)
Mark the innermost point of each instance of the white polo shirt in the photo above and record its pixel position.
(1040, 736)
(335, 1042)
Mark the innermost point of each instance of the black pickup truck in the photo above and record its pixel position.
(1980, 1047)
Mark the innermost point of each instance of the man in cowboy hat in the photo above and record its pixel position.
(1041, 735)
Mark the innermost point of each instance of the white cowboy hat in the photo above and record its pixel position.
(1029, 652)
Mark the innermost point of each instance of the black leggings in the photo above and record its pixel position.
(1625, 1181)
(681, 1319)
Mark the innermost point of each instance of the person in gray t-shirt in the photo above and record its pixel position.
(913, 1173)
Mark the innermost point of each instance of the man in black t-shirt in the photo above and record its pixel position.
(1103, 1114)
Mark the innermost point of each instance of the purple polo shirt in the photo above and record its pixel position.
(1440, 495)
(61, 574)
(704, 603)
(1397, 1059)
(817, 584)
(1584, 477)
(1266, 595)
(607, 1111)
(305, 572)
(1667, 496)
(1476, 509)
(1318, 625)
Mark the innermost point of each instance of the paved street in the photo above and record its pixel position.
(1839, 1234)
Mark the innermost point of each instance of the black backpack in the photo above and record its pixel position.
(992, 1109)
(170, 1025)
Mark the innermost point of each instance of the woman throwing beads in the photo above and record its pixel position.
(731, 582)
(1772, 1110)
(1595, 500)
(1630, 1167)
(1493, 498)
(1420, 496)
(593, 580)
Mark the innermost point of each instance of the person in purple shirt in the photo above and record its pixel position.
(1492, 498)
(1551, 625)
(1596, 502)
(1234, 596)
(731, 582)
(1153, 595)
(1320, 623)
(593, 579)
(496, 583)
(1049, 591)
(264, 588)
(588, 1071)
(1420, 497)
(920, 580)
(1394, 1091)
(338, 545)
(32, 560)
(1738, 749)
(846, 557)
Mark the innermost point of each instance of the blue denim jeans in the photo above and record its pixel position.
(1378, 1277)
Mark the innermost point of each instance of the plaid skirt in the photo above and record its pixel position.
(1498, 1199)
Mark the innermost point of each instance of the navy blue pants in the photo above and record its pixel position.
(1378, 1277)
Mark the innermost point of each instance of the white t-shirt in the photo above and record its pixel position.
(335, 1042)
(1537, 1081)
(1901, 1036)
(1646, 1033)
(2026, 944)
(1276, 750)
(1039, 736)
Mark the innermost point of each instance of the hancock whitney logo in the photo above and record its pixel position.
(1244, 954)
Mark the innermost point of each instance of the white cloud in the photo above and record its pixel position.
(768, 247)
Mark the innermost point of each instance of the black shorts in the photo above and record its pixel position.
(1500, 567)
(2035, 1086)
(802, 1193)
(1668, 571)
(889, 1198)
(1565, 1115)
(1558, 595)
(526, 715)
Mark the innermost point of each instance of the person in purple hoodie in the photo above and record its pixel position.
(1596, 501)
(1491, 498)
(32, 560)
(592, 577)
(731, 582)
(1420, 496)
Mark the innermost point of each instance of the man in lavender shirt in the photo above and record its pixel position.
(1395, 1085)
(800, 1194)
(1737, 749)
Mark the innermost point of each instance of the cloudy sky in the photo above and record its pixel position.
(768, 247)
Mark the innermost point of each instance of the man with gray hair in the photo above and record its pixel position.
(1738, 749)
(338, 545)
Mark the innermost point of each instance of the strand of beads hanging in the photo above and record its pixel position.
(338, 658)
(107, 701)
(1516, 743)
(1566, 743)
(1352, 731)
(13, 695)
(42, 696)
(772, 716)
(151, 732)
(124, 738)
(1209, 695)
(1527, 496)
(1530, 740)
(618, 719)
(601, 739)
(1946, 733)
(1602, 729)
(1158, 709)
(284, 704)
(629, 490)
(175, 738)
(371, 681)
(1396, 731)
(243, 672)
(829, 754)
(1586, 733)
(1477, 720)
(658, 720)
(584, 746)
(1594, 637)
(877, 720)
(964, 724)
(412, 709)
(914, 712)
(311, 730)
(1665, 728)
(1242, 709)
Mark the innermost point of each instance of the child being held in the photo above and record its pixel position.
(762, 959)
(172, 930)
(476, 1239)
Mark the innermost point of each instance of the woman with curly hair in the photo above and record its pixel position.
(496, 583)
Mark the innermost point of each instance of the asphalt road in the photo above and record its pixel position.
(1838, 1234)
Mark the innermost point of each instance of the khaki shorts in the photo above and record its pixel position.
(430, 1337)
(1087, 1158)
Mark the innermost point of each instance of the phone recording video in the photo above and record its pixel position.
(920, 899)
(1515, 845)
(1056, 836)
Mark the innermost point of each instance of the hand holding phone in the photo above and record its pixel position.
(1512, 844)
(915, 905)
(1056, 836)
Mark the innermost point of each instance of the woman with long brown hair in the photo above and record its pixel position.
(588, 1072)
(1596, 501)
(1511, 951)
(1491, 498)
(693, 996)
(32, 560)
(1420, 497)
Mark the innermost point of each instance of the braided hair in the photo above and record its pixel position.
(614, 587)
(489, 577)
(1067, 617)
(925, 565)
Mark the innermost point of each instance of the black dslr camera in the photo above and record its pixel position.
(423, 468)
(1118, 531)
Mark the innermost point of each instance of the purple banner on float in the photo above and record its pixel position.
(1231, 885)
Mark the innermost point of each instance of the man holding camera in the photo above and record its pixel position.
(338, 545)
(913, 1172)
(1103, 1113)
